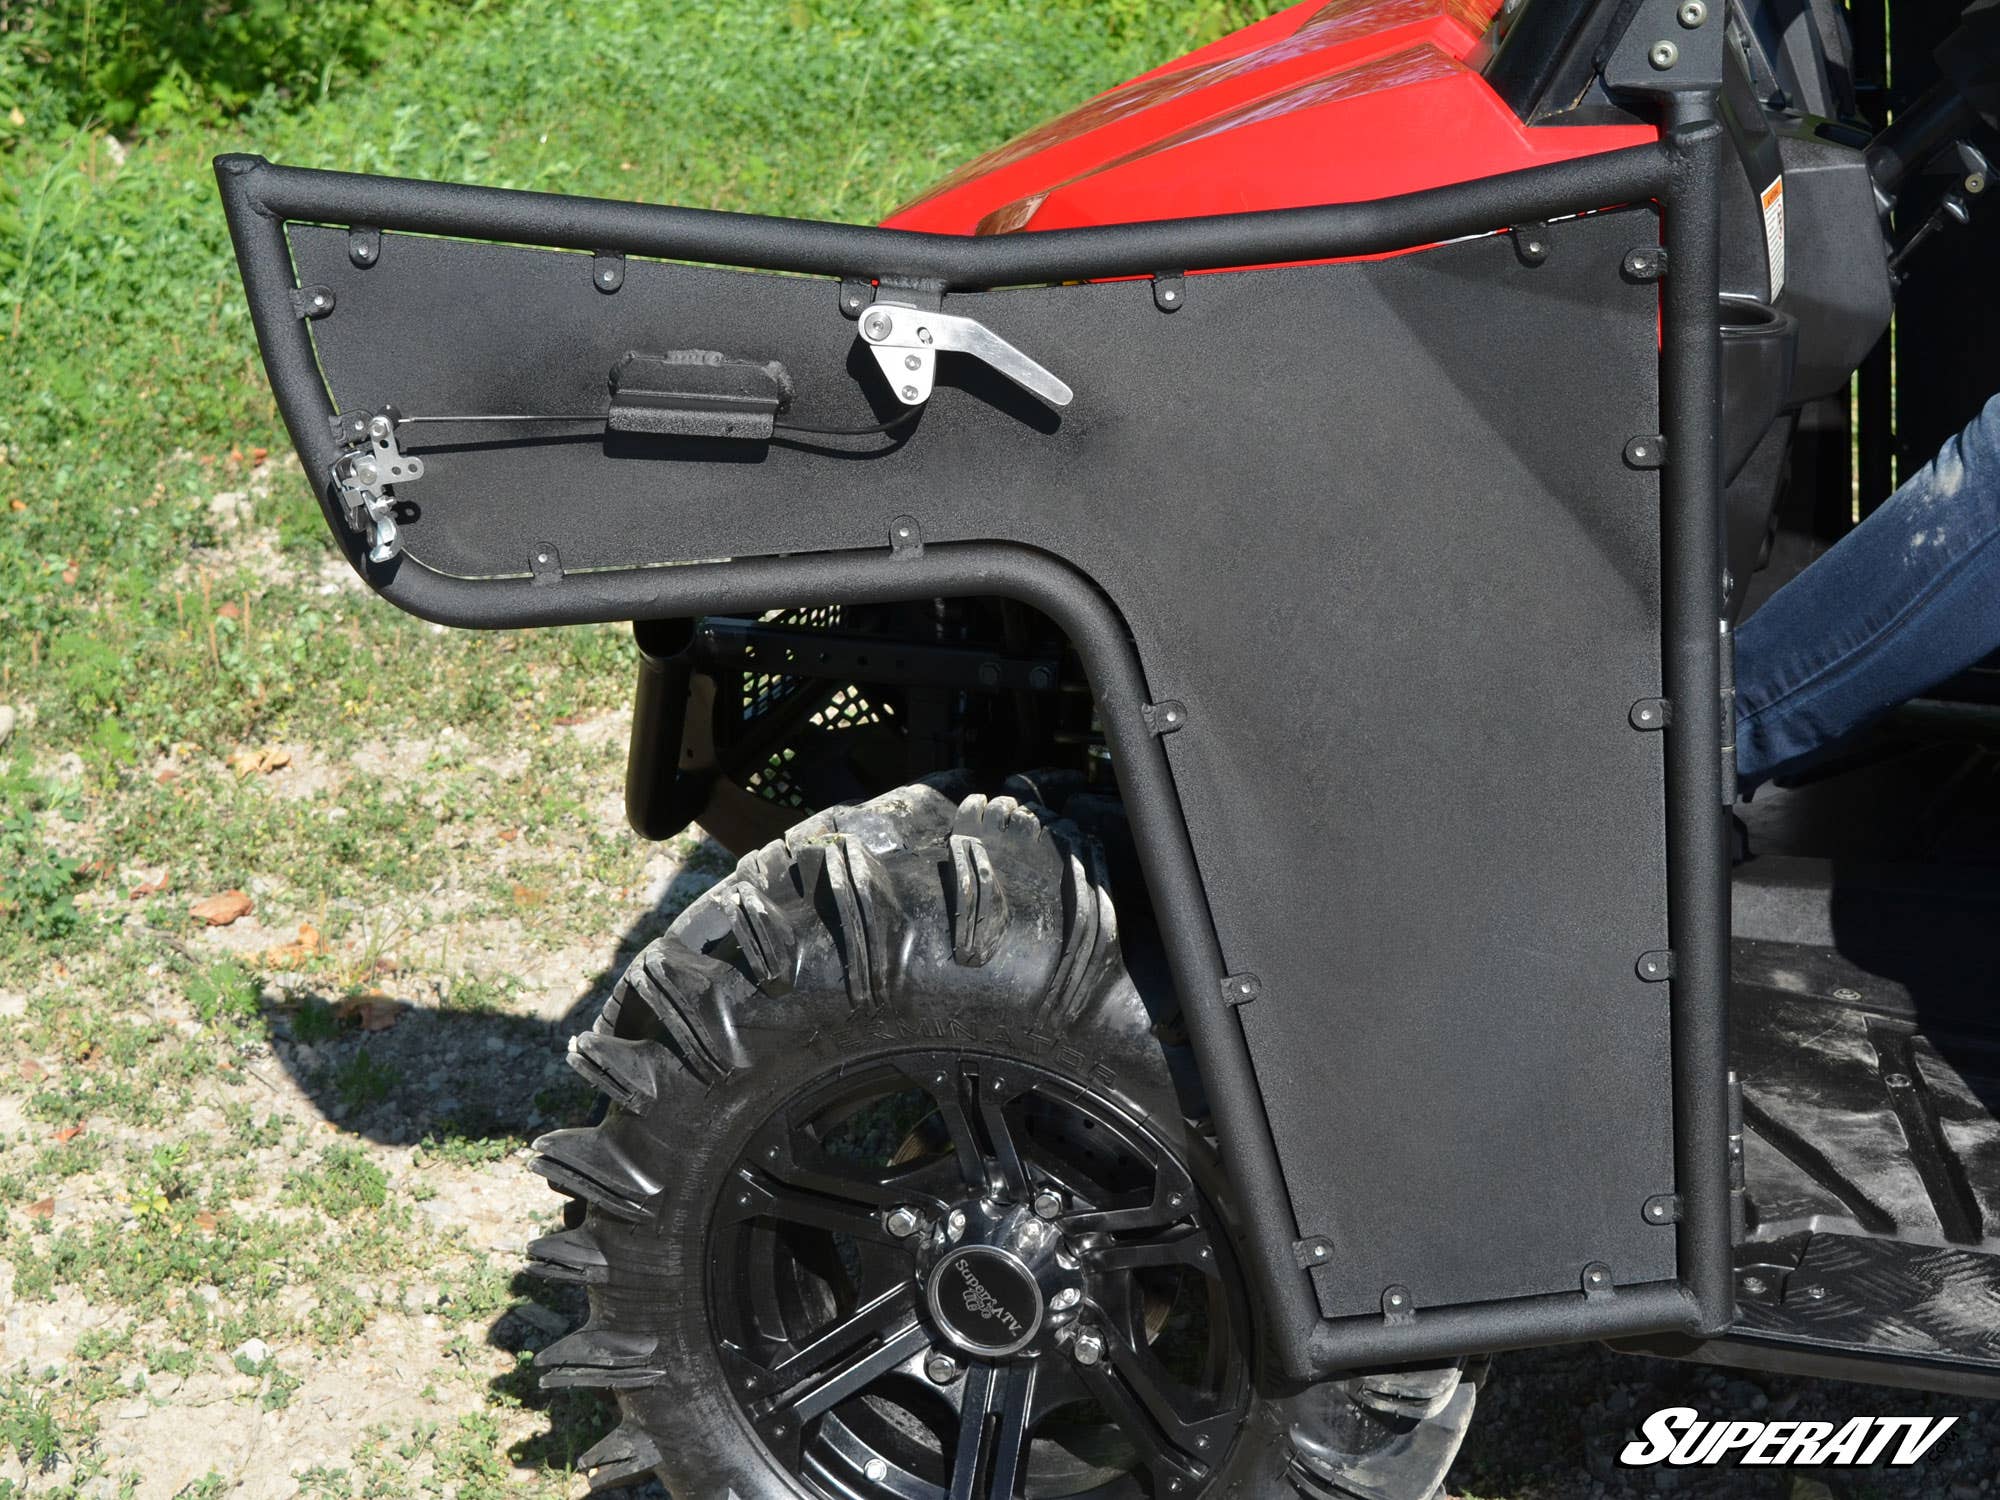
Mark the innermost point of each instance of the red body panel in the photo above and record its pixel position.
(1331, 101)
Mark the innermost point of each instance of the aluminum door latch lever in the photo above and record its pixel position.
(906, 340)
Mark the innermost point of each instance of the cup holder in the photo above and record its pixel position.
(1760, 346)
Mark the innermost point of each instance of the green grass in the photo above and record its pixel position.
(343, 1183)
(136, 618)
(165, 603)
(361, 1081)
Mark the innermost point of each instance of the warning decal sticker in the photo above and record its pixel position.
(1773, 198)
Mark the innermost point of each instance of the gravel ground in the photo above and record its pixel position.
(444, 1342)
(268, 1245)
(422, 1386)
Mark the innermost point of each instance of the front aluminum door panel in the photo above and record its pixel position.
(1371, 523)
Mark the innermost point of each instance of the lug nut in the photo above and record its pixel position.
(1065, 1299)
(379, 427)
(1048, 1204)
(942, 1369)
(903, 1222)
(1088, 1347)
(955, 1225)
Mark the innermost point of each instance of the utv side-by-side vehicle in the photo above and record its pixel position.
(1210, 634)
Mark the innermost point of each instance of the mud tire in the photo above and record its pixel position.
(920, 920)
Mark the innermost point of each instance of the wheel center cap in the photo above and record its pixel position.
(986, 1300)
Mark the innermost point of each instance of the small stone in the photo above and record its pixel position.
(252, 1351)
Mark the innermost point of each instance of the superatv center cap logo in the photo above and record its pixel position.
(986, 1300)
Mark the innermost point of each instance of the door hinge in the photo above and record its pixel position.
(371, 464)
(1728, 675)
(1739, 1190)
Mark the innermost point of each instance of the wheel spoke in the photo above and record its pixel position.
(1171, 1200)
(1162, 1458)
(797, 1161)
(1176, 1247)
(946, 1085)
(999, 1398)
(751, 1198)
(890, 1313)
(995, 1094)
(1190, 1434)
(851, 1373)
(1010, 1441)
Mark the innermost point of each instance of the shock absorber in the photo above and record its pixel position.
(659, 715)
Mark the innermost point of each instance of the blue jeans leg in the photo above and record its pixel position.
(1908, 598)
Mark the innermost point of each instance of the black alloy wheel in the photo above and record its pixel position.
(952, 1275)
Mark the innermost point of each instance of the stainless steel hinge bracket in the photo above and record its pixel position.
(1728, 690)
(1739, 1196)
(371, 464)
